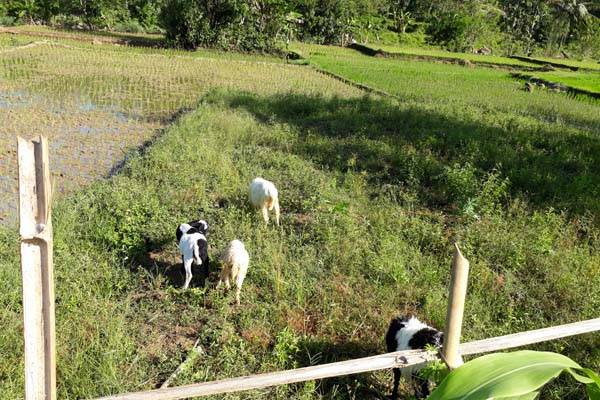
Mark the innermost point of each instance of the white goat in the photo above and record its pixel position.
(264, 196)
(235, 261)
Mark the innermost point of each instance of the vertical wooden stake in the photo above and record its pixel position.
(456, 308)
(37, 269)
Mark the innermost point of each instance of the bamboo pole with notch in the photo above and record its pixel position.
(35, 229)
(456, 308)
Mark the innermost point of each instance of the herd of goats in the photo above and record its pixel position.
(404, 333)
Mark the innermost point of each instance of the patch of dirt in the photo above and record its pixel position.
(257, 336)
(303, 321)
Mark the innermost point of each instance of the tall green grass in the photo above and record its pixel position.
(433, 52)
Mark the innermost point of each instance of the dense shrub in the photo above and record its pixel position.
(237, 24)
(467, 28)
(131, 26)
(5, 20)
(325, 21)
(506, 26)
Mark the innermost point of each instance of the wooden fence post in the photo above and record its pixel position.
(456, 308)
(37, 269)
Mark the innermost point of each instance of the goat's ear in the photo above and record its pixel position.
(406, 318)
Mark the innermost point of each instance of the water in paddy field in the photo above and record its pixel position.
(86, 141)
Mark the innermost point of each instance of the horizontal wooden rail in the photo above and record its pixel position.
(398, 359)
(530, 337)
(384, 361)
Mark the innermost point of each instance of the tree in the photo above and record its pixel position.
(523, 19)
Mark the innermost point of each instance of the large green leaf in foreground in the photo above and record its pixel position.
(502, 375)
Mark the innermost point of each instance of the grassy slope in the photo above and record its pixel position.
(333, 275)
(372, 191)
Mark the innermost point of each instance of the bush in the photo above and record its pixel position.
(473, 195)
(467, 27)
(228, 24)
(326, 21)
(7, 21)
(131, 26)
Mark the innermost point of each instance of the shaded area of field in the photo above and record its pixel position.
(413, 147)
(545, 143)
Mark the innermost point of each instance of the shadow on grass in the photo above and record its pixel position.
(413, 147)
(159, 264)
(358, 386)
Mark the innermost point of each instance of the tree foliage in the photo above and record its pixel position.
(506, 26)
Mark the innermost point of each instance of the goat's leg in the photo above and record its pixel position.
(237, 295)
(265, 214)
(221, 278)
(394, 395)
(239, 280)
(188, 272)
(422, 387)
(276, 207)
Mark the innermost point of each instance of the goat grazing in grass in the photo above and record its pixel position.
(264, 196)
(235, 261)
(193, 247)
(406, 333)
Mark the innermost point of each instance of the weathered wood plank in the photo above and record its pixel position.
(384, 361)
(529, 337)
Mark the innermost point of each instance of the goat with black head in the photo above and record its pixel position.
(408, 333)
(193, 246)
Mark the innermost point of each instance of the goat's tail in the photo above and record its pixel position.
(235, 270)
(270, 202)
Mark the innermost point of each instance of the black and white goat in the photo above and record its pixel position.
(408, 333)
(193, 246)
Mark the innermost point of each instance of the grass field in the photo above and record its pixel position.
(373, 191)
(586, 64)
(432, 52)
(495, 116)
(589, 81)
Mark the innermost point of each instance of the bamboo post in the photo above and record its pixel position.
(456, 308)
(37, 269)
